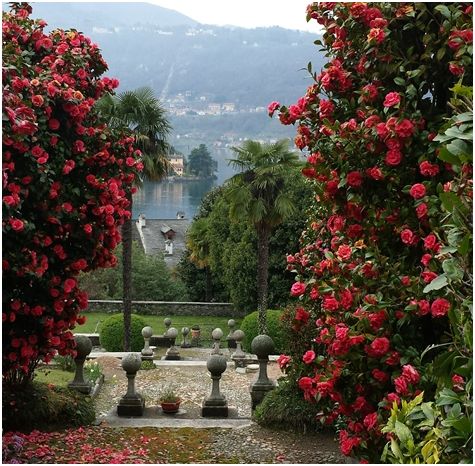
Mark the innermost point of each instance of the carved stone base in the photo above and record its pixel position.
(131, 406)
(80, 387)
(258, 392)
(215, 408)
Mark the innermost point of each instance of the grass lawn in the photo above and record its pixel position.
(54, 376)
(207, 323)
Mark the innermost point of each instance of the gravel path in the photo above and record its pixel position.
(253, 444)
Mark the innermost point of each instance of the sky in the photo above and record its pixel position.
(290, 14)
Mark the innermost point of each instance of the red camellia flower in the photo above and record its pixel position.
(427, 169)
(376, 35)
(393, 157)
(308, 357)
(411, 374)
(439, 307)
(378, 347)
(283, 361)
(417, 191)
(344, 252)
(16, 224)
(298, 288)
(407, 236)
(302, 315)
(354, 179)
(392, 99)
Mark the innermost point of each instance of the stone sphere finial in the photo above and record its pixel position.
(167, 321)
(238, 335)
(172, 332)
(216, 364)
(83, 346)
(231, 323)
(262, 346)
(147, 332)
(185, 331)
(131, 362)
(217, 334)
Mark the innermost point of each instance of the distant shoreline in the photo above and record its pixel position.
(172, 179)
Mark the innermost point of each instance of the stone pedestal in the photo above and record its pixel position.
(172, 353)
(132, 403)
(83, 348)
(216, 404)
(230, 338)
(147, 352)
(262, 346)
(239, 357)
(168, 322)
(217, 334)
(185, 331)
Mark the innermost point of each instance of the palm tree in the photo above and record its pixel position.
(198, 244)
(140, 112)
(257, 194)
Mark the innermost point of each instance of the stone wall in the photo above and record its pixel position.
(163, 308)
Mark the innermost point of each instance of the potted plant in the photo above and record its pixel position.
(169, 401)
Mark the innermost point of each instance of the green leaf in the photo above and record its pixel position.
(458, 147)
(452, 269)
(448, 157)
(447, 397)
(400, 81)
(403, 432)
(450, 201)
(465, 245)
(436, 284)
(442, 9)
(440, 54)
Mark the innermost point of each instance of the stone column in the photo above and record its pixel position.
(239, 357)
(230, 339)
(172, 353)
(185, 331)
(167, 321)
(83, 348)
(217, 334)
(262, 346)
(132, 403)
(147, 352)
(216, 404)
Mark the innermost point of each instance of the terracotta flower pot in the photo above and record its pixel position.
(170, 407)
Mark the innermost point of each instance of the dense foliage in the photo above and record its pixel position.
(111, 335)
(383, 276)
(65, 182)
(228, 249)
(151, 279)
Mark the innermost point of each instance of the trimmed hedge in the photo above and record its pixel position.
(111, 336)
(274, 326)
(45, 407)
(285, 408)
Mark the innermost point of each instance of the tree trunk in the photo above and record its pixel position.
(208, 285)
(263, 234)
(127, 275)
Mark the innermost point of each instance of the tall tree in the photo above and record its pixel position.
(257, 194)
(200, 163)
(141, 112)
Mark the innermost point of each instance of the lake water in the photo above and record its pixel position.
(164, 199)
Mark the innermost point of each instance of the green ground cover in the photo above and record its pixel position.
(54, 376)
(207, 323)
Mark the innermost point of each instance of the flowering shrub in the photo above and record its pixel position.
(381, 273)
(65, 178)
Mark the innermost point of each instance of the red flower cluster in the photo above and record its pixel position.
(359, 273)
(65, 179)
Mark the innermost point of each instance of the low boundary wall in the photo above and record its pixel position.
(165, 308)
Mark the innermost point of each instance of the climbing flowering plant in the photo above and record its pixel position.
(65, 180)
(383, 276)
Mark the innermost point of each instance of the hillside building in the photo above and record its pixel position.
(178, 164)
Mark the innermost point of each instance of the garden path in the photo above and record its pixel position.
(248, 443)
